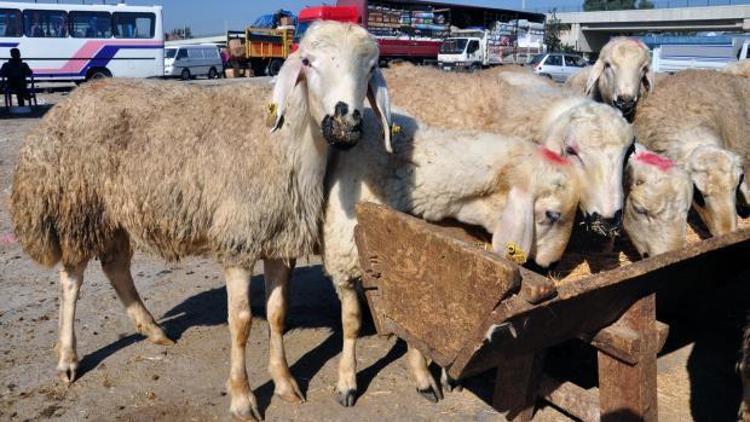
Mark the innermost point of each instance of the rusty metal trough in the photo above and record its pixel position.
(470, 310)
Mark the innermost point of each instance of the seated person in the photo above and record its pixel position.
(15, 72)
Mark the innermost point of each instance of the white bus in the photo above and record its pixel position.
(74, 42)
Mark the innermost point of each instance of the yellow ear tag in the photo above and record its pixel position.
(515, 253)
(272, 114)
(395, 129)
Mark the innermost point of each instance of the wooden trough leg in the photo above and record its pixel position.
(628, 391)
(517, 385)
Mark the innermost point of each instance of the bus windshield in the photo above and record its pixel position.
(453, 46)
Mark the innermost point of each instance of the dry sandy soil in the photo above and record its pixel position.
(123, 377)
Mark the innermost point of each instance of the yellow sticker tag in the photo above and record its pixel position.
(272, 114)
(515, 253)
(395, 129)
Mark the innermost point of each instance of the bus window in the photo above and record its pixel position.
(134, 25)
(90, 25)
(183, 54)
(45, 23)
(11, 23)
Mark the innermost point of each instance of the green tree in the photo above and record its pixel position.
(645, 4)
(552, 32)
(595, 5)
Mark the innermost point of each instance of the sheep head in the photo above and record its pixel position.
(621, 75)
(658, 201)
(538, 202)
(597, 139)
(717, 175)
(337, 66)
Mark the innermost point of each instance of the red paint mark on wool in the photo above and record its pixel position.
(552, 156)
(656, 160)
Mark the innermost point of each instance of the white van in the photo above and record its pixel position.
(189, 61)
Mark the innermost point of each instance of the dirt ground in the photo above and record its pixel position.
(123, 377)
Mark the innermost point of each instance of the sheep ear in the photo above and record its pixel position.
(289, 75)
(377, 94)
(516, 229)
(594, 74)
(648, 81)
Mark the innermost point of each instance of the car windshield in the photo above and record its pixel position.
(453, 46)
(537, 59)
(170, 53)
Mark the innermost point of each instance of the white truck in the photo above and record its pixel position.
(469, 50)
(672, 58)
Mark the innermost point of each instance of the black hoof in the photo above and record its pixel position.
(430, 394)
(346, 398)
(452, 386)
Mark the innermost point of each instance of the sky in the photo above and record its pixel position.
(208, 17)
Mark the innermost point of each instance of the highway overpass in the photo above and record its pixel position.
(589, 31)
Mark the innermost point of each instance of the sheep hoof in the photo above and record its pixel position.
(162, 340)
(346, 398)
(250, 415)
(68, 375)
(291, 393)
(431, 394)
(451, 386)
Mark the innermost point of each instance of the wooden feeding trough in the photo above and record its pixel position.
(470, 310)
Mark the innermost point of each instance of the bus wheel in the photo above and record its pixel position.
(98, 74)
(212, 73)
(185, 75)
(274, 67)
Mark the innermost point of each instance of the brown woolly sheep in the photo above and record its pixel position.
(141, 162)
(620, 77)
(740, 68)
(700, 119)
(594, 135)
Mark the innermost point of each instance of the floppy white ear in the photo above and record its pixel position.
(594, 74)
(648, 81)
(516, 229)
(377, 94)
(287, 79)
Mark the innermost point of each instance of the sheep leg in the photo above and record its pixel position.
(426, 385)
(243, 405)
(351, 320)
(116, 266)
(71, 279)
(448, 383)
(277, 275)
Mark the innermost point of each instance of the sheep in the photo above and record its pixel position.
(524, 194)
(141, 162)
(595, 135)
(739, 68)
(620, 77)
(658, 198)
(699, 119)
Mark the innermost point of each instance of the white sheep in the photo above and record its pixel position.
(142, 162)
(658, 198)
(620, 77)
(594, 135)
(699, 119)
(738, 68)
(524, 194)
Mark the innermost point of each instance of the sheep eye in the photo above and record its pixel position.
(552, 216)
(639, 182)
(607, 65)
(640, 210)
(571, 151)
(306, 62)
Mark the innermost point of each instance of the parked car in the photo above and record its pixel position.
(189, 61)
(557, 66)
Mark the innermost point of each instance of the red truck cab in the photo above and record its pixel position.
(309, 15)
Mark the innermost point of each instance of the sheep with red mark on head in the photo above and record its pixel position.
(525, 195)
(658, 198)
(594, 136)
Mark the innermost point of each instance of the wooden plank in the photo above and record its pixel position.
(536, 290)
(574, 400)
(619, 341)
(516, 386)
(590, 304)
(628, 392)
(662, 333)
(369, 280)
(433, 286)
